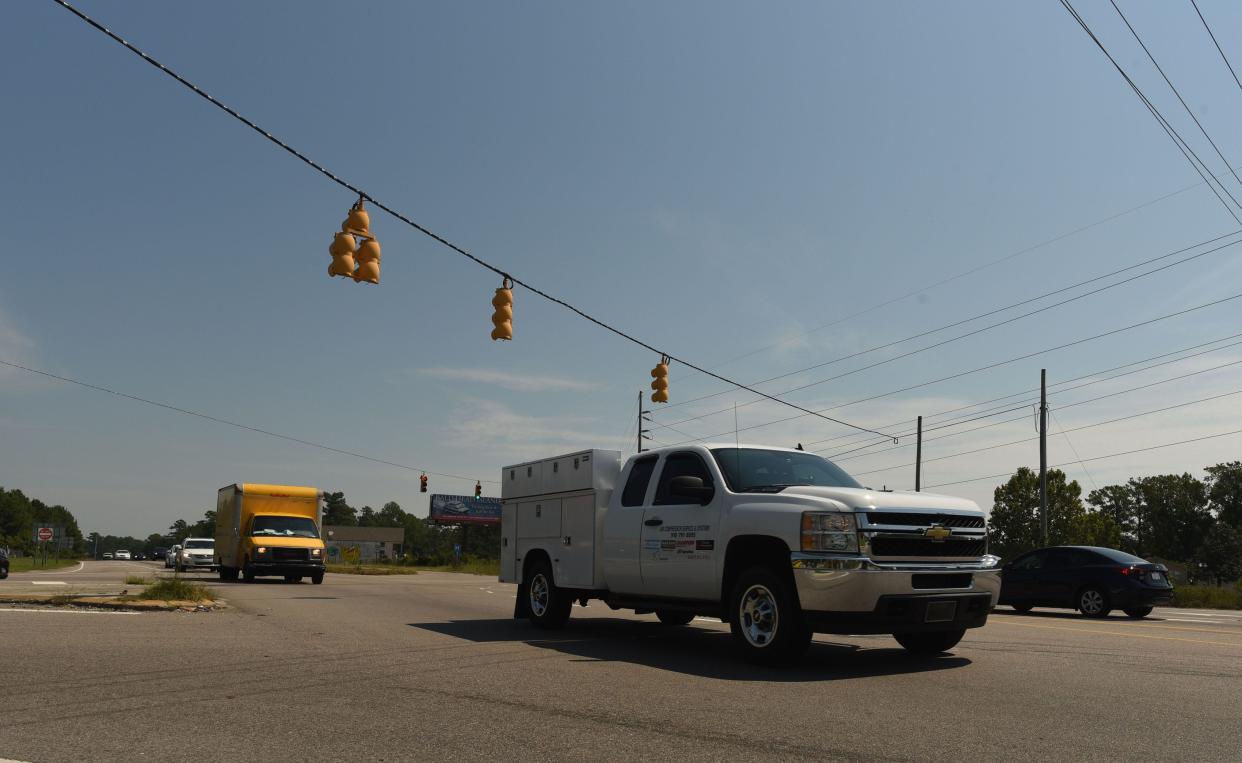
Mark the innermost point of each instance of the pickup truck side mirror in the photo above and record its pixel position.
(692, 487)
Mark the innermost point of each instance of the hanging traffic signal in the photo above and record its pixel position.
(478, 490)
(368, 256)
(349, 259)
(502, 319)
(422, 484)
(659, 381)
(342, 251)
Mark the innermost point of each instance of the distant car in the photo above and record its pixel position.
(159, 553)
(4, 565)
(123, 554)
(1091, 579)
(170, 558)
(139, 556)
(108, 555)
(196, 554)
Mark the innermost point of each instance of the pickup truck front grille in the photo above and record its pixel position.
(923, 519)
(917, 546)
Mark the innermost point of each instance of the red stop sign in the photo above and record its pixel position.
(45, 534)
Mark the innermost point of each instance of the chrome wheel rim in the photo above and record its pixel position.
(539, 595)
(1092, 602)
(758, 616)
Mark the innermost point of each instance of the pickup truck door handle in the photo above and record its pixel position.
(654, 522)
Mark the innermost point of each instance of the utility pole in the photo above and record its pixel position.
(918, 459)
(642, 417)
(1043, 455)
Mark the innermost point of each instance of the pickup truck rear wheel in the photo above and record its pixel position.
(765, 619)
(934, 642)
(671, 617)
(549, 605)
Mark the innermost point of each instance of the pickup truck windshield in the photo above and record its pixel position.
(285, 527)
(753, 470)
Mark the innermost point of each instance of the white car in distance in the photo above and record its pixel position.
(197, 554)
(122, 554)
(170, 559)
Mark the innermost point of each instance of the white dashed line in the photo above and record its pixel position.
(1187, 620)
(48, 582)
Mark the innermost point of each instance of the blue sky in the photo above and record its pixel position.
(712, 177)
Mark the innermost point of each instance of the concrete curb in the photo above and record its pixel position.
(113, 602)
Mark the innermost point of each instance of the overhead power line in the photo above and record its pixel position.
(226, 422)
(986, 314)
(1173, 87)
(990, 366)
(1223, 57)
(1098, 458)
(431, 234)
(1168, 128)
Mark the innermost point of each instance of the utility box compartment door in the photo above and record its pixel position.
(539, 519)
(577, 553)
(522, 480)
(508, 543)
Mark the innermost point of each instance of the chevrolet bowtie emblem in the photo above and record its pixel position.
(937, 532)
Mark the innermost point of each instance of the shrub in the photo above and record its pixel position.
(1209, 596)
(176, 589)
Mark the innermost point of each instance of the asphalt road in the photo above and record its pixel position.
(432, 667)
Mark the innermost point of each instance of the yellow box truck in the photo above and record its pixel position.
(270, 530)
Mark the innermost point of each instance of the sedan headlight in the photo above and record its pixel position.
(829, 531)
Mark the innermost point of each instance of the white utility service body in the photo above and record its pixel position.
(779, 543)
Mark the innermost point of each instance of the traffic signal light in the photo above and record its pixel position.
(422, 484)
(358, 221)
(368, 256)
(502, 319)
(342, 251)
(659, 381)
(478, 489)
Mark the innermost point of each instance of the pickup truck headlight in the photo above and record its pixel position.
(829, 531)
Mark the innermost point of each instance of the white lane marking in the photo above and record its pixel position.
(66, 572)
(69, 612)
(1196, 620)
(48, 582)
(1208, 614)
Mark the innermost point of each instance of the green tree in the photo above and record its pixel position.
(179, 530)
(1095, 529)
(366, 517)
(336, 511)
(1173, 515)
(1121, 504)
(1221, 553)
(205, 527)
(1224, 486)
(1014, 523)
(391, 515)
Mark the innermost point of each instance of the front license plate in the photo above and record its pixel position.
(940, 612)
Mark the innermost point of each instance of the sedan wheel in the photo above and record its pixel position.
(1092, 602)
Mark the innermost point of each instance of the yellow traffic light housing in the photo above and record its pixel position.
(368, 256)
(349, 259)
(502, 319)
(342, 251)
(659, 381)
(358, 222)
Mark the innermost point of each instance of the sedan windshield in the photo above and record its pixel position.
(298, 527)
(198, 544)
(759, 470)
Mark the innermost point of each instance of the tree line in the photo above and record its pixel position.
(1171, 517)
(425, 542)
(20, 516)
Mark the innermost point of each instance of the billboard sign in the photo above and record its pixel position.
(464, 510)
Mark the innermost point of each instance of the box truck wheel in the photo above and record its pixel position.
(317, 578)
(765, 618)
(549, 605)
(248, 572)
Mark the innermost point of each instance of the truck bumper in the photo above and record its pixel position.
(286, 568)
(857, 595)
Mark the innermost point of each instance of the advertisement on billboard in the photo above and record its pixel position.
(464, 510)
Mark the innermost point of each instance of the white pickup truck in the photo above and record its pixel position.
(778, 543)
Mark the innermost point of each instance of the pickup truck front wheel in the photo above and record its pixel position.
(765, 619)
(549, 605)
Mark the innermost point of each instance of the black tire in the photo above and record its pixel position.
(1093, 602)
(549, 605)
(317, 578)
(4, 572)
(934, 642)
(671, 617)
(765, 619)
(1022, 607)
(293, 578)
(248, 572)
(1138, 613)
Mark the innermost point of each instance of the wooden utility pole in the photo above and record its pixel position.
(918, 459)
(1043, 455)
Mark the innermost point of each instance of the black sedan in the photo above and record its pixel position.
(1091, 579)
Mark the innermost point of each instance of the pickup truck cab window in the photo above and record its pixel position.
(640, 477)
(679, 465)
(757, 470)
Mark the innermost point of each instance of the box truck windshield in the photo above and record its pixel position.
(288, 527)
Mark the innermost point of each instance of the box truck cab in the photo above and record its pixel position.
(778, 543)
(270, 530)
